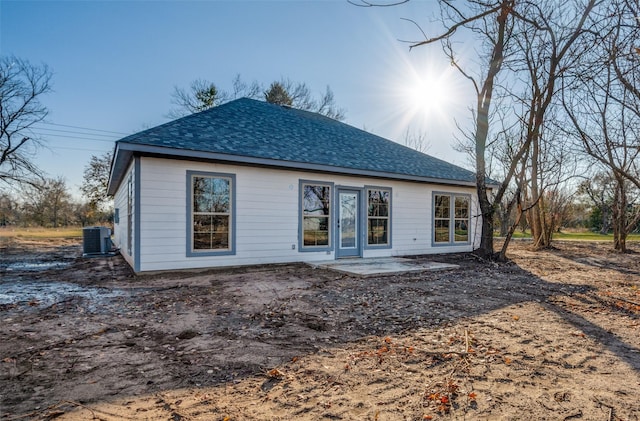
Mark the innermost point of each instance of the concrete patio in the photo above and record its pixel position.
(380, 266)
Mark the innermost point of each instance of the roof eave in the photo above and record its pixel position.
(124, 152)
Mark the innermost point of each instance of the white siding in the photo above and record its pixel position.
(121, 227)
(267, 215)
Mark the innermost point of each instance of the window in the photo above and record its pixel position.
(378, 216)
(130, 215)
(451, 218)
(316, 216)
(211, 213)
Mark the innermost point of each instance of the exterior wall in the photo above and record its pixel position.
(121, 225)
(267, 216)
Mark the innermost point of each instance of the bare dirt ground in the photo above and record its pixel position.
(552, 335)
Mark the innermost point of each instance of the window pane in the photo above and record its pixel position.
(220, 232)
(202, 223)
(210, 232)
(211, 197)
(377, 231)
(461, 231)
(201, 241)
(220, 203)
(316, 200)
(378, 203)
(462, 207)
(316, 231)
(201, 185)
(441, 231)
(441, 206)
(201, 203)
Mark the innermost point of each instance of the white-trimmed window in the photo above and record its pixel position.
(211, 210)
(315, 201)
(378, 216)
(451, 218)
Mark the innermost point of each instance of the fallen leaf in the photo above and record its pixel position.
(275, 373)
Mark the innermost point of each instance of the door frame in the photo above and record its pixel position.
(360, 219)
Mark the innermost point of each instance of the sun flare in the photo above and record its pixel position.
(429, 94)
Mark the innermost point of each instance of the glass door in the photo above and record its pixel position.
(348, 223)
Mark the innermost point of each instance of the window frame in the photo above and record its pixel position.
(388, 244)
(231, 250)
(451, 219)
(301, 216)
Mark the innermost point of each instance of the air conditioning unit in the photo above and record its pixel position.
(96, 240)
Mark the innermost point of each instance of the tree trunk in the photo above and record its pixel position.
(620, 216)
(504, 216)
(487, 211)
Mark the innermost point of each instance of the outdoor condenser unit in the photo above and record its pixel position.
(96, 240)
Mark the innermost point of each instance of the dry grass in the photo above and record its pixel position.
(41, 233)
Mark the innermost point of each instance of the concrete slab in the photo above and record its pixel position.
(380, 266)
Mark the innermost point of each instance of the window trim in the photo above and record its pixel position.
(301, 247)
(190, 252)
(452, 197)
(368, 246)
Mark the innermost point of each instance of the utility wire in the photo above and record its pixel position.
(75, 149)
(83, 128)
(76, 132)
(75, 137)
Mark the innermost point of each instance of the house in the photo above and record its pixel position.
(250, 182)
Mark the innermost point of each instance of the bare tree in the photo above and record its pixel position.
(605, 109)
(493, 21)
(598, 189)
(548, 37)
(200, 96)
(298, 95)
(416, 140)
(21, 88)
(48, 204)
(95, 180)
(241, 89)
(9, 209)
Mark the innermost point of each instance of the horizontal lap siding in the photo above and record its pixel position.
(266, 215)
(410, 213)
(121, 227)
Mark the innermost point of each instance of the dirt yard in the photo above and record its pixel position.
(553, 335)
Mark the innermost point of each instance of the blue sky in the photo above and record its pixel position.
(115, 64)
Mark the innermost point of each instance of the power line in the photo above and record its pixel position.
(83, 128)
(74, 137)
(75, 149)
(76, 132)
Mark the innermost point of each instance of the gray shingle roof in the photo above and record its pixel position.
(256, 129)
